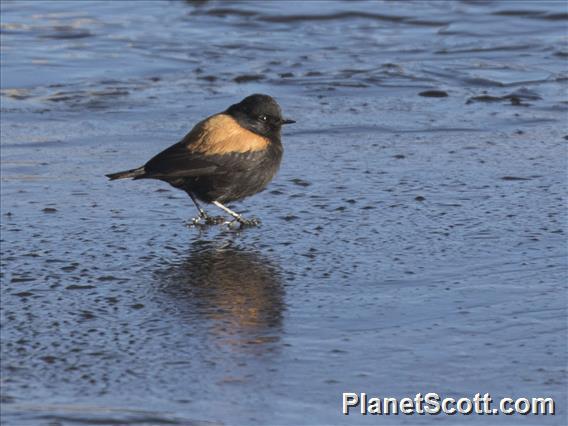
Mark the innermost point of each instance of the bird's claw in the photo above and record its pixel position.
(205, 220)
(246, 223)
(214, 220)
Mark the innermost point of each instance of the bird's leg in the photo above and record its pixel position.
(202, 213)
(238, 217)
(209, 220)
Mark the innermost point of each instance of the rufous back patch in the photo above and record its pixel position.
(221, 134)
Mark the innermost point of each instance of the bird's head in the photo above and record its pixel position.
(260, 114)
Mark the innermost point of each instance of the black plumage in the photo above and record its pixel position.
(224, 158)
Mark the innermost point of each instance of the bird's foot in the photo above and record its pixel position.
(251, 222)
(240, 223)
(205, 220)
(214, 220)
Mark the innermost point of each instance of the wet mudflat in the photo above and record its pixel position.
(413, 241)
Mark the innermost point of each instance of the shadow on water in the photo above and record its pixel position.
(230, 294)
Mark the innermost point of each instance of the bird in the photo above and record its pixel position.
(226, 157)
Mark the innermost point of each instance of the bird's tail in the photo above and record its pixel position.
(133, 173)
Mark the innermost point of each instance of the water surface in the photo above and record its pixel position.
(413, 241)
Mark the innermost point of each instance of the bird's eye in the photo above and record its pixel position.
(262, 117)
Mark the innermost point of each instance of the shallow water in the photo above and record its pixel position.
(413, 241)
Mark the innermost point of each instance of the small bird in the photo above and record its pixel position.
(226, 157)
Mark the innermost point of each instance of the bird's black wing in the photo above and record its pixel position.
(177, 161)
(216, 145)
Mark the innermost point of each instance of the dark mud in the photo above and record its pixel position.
(411, 242)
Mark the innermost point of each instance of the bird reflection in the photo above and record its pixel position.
(236, 295)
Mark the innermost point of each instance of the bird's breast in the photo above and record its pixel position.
(241, 175)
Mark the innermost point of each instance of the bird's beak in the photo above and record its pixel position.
(288, 121)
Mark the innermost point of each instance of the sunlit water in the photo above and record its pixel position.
(413, 241)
